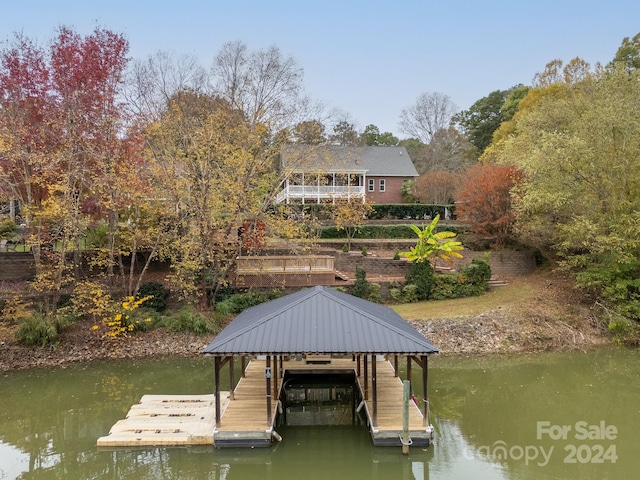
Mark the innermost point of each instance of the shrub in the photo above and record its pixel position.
(422, 276)
(241, 301)
(37, 330)
(7, 229)
(361, 287)
(382, 231)
(374, 293)
(406, 294)
(97, 237)
(188, 319)
(128, 317)
(477, 273)
(158, 294)
(364, 251)
(469, 282)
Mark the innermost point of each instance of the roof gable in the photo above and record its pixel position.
(319, 320)
(374, 161)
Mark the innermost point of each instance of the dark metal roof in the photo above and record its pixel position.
(319, 320)
(376, 161)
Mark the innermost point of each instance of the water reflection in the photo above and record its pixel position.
(50, 420)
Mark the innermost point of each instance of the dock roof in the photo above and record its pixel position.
(319, 320)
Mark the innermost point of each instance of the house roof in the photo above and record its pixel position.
(374, 161)
(319, 320)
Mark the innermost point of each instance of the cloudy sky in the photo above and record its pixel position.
(369, 59)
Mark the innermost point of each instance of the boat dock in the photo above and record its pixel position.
(180, 420)
(170, 420)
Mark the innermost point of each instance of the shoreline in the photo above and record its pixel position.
(496, 332)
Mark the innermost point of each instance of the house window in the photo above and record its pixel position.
(372, 184)
(382, 184)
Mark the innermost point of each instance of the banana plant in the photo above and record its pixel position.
(433, 245)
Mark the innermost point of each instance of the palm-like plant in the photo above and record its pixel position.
(431, 244)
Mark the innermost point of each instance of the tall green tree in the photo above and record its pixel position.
(372, 137)
(344, 134)
(483, 118)
(578, 149)
(628, 54)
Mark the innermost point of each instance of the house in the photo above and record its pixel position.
(324, 173)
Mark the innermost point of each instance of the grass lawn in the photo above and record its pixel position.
(495, 297)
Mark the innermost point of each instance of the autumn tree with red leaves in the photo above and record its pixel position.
(63, 142)
(484, 201)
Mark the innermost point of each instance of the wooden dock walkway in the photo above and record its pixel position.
(248, 410)
(190, 419)
(388, 426)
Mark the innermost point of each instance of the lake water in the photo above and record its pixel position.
(543, 416)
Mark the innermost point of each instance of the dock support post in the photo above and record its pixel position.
(374, 388)
(425, 378)
(406, 389)
(243, 365)
(275, 377)
(217, 388)
(267, 374)
(409, 360)
(395, 365)
(366, 378)
(358, 365)
(232, 380)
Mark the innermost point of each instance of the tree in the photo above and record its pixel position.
(216, 170)
(350, 216)
(68, 136)
(372, 137)
(483, 118)
(437, 187)
(310, 132)
(431, 112)
(344, 134)
(578, 151)
(628, 54)
(448, 150)
(264, 85)
(484, 201)
(151, 82)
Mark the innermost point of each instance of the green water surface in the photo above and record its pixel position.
(543, 416)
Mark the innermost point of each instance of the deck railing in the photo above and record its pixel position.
(285, 264)
(314, 192)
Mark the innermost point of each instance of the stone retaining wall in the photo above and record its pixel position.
(504, 263)
(16, 266)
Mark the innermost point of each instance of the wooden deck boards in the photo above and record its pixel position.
(190, 419)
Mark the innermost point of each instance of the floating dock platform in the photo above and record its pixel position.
(168, 420)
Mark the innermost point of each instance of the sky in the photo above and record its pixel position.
(368, 59)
